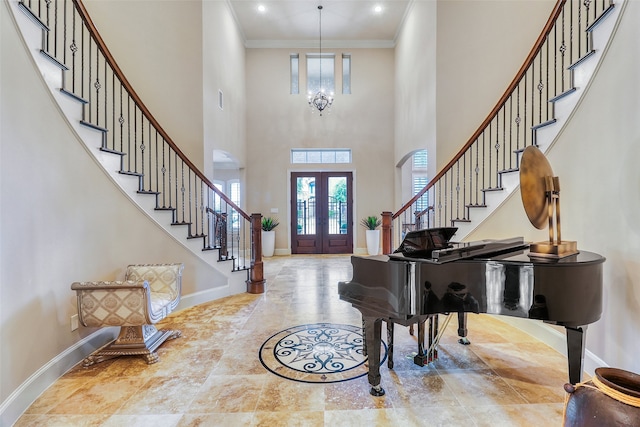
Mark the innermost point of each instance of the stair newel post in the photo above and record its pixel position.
(387, 218)
(255, 284)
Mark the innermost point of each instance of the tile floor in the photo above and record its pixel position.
(212, 376)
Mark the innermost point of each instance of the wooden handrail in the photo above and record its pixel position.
(555, 13)
(129, 88)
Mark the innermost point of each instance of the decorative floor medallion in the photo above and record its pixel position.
(317, 353)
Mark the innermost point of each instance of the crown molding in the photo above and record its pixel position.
(311, 44)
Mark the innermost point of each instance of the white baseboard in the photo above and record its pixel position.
(209, 295)
(22, 397)
(282, 252)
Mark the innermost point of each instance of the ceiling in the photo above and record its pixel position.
(295, 23)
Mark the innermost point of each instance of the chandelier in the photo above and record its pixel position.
(320, 101)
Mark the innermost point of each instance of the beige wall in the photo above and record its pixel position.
(596, 157)
(278, 121)
(224, 69)
(141, 36)
(481, 44)
(415, 114)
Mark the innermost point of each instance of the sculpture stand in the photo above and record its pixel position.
(540, 192)
(555, 247)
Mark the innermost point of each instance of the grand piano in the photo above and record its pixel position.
(428, 275)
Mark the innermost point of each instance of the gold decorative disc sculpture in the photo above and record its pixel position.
(541, 199)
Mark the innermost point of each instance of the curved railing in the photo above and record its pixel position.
(494, 148)
(112, 107)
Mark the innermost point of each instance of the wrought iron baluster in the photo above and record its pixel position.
(82, 71)
(587, 34)
(129, 156)
(157, 167)
(497, 148)
(47, 34)
(490, 160)
(97, 87)
(202, 210)
(106, 97)
(464, 186)
(189, 200)
(483, 166)
(547, 84)
(571, 32)
(182, 191)
(172, 188)
(142, 147)
(73, 47)
(88, 82)
(504, 138)
(580, 52)
(524, 113)
(121, 122)
(457, 199)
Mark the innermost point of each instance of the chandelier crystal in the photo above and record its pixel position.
(320, 101)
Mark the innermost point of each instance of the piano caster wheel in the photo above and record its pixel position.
(464, 341)
(376, 390)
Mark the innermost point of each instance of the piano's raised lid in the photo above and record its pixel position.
(422, 243)
(433, 244)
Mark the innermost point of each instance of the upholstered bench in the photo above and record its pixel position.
(147, 295)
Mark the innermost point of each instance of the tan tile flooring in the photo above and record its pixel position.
(212, 375)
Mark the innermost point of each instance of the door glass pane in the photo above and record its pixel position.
(306, 201)
(337, 205)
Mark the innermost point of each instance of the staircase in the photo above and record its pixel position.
(532, 111)
(125, 139)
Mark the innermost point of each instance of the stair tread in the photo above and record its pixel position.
(109, 150)
(563, 94)
(53, 60)
(92, 126)
(130, 173)
(27, 10)
(543, 124)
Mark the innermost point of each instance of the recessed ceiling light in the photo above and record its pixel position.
(377, 9)
(262, 8)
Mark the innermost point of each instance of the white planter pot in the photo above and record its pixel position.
(373, 242)
(268, 243)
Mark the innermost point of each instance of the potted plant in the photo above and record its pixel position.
(269, 235)
(371, 223)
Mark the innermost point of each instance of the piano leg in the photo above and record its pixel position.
(390, 343)
(373, 329)
(462, 328)
(575, 352)
(433, 338)
(421, 358)
(364, 344)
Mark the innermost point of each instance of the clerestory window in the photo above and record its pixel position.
(314, 64)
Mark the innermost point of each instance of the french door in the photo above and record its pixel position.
(322, 212)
